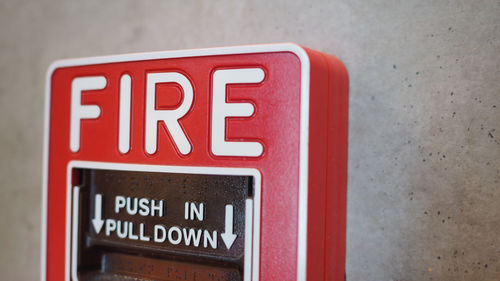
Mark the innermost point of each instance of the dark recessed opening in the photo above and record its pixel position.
(160, 226)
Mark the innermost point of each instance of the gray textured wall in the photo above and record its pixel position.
(424, 152)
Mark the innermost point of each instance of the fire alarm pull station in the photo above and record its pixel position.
(218, 164)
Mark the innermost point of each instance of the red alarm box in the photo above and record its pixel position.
(208, 164)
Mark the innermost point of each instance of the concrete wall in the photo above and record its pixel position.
(424, 152)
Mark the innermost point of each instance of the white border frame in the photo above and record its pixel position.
(251, 262)
(252, 49)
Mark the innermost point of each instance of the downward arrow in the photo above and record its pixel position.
(97, 222)
(228, 236)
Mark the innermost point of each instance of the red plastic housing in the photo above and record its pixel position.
(300, 119)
